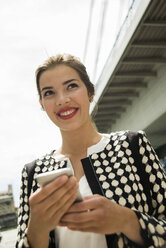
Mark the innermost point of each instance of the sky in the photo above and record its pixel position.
(31, 31)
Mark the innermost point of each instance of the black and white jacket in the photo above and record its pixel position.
(114, 174)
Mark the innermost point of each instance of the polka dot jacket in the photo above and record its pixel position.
(114, 174)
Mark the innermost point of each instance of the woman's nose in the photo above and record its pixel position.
(62, 99)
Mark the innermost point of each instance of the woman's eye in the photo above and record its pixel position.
(48, 93)
(73, 85)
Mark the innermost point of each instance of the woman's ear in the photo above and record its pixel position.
(91, 98)
(41, 104)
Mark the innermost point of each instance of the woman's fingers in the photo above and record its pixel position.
(58, 196)
(77, 218)
(89, 203)
(87, 224)
(49, 203)
(55, 199)
(84, 211)
(61, 200)
(94, 214)
(65, 206)
(47, 190)
(62, 182)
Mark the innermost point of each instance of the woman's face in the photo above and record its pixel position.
(64, 97)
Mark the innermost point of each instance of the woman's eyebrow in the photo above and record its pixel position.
(46, 88)
(70, 80)
(64, 83)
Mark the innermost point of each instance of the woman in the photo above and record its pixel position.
(114, 211)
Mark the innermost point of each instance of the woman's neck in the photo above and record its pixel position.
(77, 141)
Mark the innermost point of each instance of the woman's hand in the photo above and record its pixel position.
(97, 214)
(47, 206)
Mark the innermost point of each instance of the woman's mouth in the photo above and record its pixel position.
(67, 113)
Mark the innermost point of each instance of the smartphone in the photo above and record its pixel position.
(47, 177)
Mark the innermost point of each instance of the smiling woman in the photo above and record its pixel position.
(64, 96)
(116, 210)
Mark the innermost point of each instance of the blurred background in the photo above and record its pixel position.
(123, 45)
(31, 31)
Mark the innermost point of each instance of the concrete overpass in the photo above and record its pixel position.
(131, 90)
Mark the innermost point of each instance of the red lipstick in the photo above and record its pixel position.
(67, 113)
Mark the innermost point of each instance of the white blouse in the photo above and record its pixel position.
(74, 239)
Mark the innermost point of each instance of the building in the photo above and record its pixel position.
(131, 90)
(8, 215)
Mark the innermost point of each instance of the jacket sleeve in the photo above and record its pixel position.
(153, 228)
(23, 212)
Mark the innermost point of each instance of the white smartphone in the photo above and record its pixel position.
(47, 177)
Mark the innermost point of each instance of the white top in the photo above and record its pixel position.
(74, 239)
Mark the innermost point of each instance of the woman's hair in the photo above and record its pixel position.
(68, 60)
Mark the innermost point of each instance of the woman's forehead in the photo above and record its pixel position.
(58, 74)
(59, 71)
